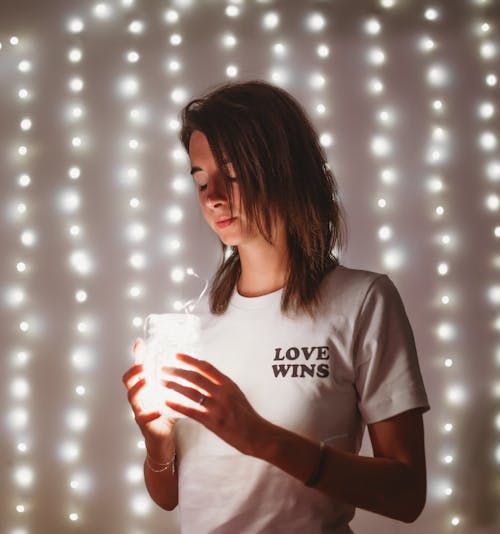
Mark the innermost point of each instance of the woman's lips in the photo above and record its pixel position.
(225, 222)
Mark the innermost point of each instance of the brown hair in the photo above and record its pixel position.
(282, 171)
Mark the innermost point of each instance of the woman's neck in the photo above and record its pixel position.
(264, 268)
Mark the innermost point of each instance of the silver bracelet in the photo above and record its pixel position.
(164, 467)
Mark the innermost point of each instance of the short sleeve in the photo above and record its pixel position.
(387, 374)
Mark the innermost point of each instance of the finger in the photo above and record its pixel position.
(204, 367)
(193, 377)
(139, 351)
(192, 413)
(131, 375)
(191, 393)
(133, 395)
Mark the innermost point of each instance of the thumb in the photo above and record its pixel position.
(139, 350)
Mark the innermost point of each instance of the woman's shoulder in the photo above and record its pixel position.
(352, 278)
(349, 286)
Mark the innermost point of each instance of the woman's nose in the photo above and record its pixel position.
(216, 193)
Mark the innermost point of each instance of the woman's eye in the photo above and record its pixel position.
(202, 187)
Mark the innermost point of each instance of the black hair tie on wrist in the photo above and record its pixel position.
(316, 474)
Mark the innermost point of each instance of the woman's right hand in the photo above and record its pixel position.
(158, 430)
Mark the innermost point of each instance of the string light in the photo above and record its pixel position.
(151, 166)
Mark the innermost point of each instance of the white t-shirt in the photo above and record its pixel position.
(326, 378)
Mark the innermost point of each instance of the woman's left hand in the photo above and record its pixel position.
(223, 409)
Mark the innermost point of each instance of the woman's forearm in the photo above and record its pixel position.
(380, 485)
(161, 479)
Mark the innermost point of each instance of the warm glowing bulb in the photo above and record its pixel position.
(28, 238)
(135, 291)
(270, 20)
(81, 295)
(24, 180)
(326, 139)
(488, 141)
(75, 25)
(75, 55)
(229, 40)
(442, 268)
(317, 81)
(393, 259)
(437, 105)
(381, 146)
(437, 75)
(323, 51)
(431, 13)
(488, 50)
(174, 65)
(492, 202)
(178, 95)
(372, 26)
(376, 56)
(375, 86)
(388, 176)
(175, 39)
(102, 10)
(171, 16)
(81, 262)
(136, 26)
(232, 11)
(321, 109)
(136, 231)
(279, 49)
(76, 141)
(132, 56)
(175, 214)
(177, 274)
(232, 71)
(74, 230)
(486, 110)
(25, 124)
(491, 80)
(316, 22)
(74, 173)
(129, 86)
(76, 84)
(385, 233)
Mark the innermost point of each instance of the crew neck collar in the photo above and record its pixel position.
(252, 303)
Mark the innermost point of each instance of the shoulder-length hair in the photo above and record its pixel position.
(282, 171)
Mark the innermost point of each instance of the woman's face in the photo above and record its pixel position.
(212, 194)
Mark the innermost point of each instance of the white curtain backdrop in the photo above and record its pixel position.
(99, 222)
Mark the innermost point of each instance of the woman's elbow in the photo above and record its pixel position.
(414, 508)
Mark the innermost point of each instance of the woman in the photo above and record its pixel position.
(300, 352)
